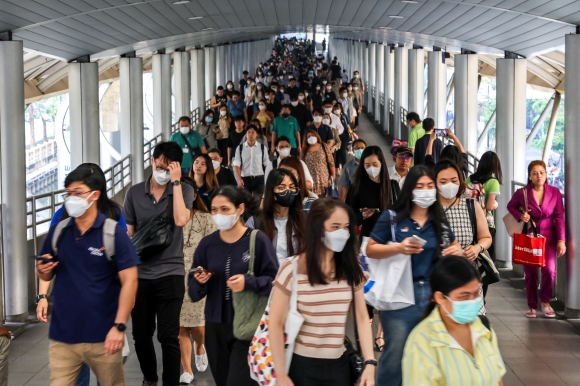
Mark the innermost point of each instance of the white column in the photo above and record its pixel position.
(372, 74)
(401, 84)
(416, 80)
(437, 88)
(389, 86)
(131, 114)
(162, 118)
(13, 189)
(466, 106)
(379, 79)
(182, 84)
(83, 83)
(510, 142)
(198, 79)
(366, 75)
(210, 81)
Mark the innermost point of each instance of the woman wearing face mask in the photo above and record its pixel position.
(192, 320)
(328, 93)
(317, 97)
(337, 143)
(225, 123)
(262, 136)
(329, 276)
(344, 137)
(224, 257)
(319, 161)
(229, 89)
(265, 117)
(323, 130)
(353, 103)
(307, 100)
(452, 344)
(250, 95)
(358, 95)
(299, 170)
(417, 213)
(282, 218)
(457, 211)
(208, 129)
(259, 95)
(203, 174)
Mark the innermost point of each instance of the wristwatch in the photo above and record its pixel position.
(43, 296)
(371, 362)
(121, 327)
(176, 183)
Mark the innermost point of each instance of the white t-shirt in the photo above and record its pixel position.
(335, 123)
(281, 242)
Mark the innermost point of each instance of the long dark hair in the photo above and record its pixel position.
(198, 203)
(210, 178)
(448, 274)
(452, 153)
(238, 196)
(404, 204)
(92, 176)
(361, 175)
(295, 163)
(347, 266)
(295, 223)
(489, 167)
(447, 164)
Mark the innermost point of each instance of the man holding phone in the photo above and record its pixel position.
(423, 143)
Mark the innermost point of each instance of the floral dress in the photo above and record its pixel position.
(319, 162)
(200, 225)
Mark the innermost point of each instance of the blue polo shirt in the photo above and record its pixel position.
(86, 292)
(421, 263)
(58, 215)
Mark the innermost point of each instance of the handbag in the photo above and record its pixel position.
(355, 358)
(528, 249)
(156, 236)
(390, 285)
(512, 224)
(248, 305)
(260, 355)
(485, 265)
(331, 190)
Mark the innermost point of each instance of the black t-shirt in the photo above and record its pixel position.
(421, 149)
(220, 99)
(226, 177)
(243, 84)
(274, 108)
(234, 140)
(336, 71)
(302, 115)
(369, 196)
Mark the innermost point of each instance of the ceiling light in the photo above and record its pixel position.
(196, 17)
(180, 2)
(207, 29)
(409, 1)
(385, 28)
(395, 17)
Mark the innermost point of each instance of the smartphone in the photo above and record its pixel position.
(375, 209)
(199, 270)
(418, 240)
(43, 259)
(441, 132)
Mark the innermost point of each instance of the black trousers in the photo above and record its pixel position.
(227, 356)
(320, 372)
(254, 185)
(161, 298)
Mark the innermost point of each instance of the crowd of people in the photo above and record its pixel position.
(244, 206)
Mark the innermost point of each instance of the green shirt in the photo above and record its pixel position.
(417, 133)
(286, 128)
(195, 141)
(491, 186)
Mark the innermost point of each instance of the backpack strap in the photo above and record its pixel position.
(395, 190)
(275, 164)
(393, 225)
(191, 149)
(109, 228)
(485, 321)
(262, 159)
(252, 251)
(241, 147)
(57, 235)
(473, 219)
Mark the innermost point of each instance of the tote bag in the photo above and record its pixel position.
(528, 249)
(260, 355)
(512, 224)
(390, 286)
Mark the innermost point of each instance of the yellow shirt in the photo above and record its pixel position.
(433, 357)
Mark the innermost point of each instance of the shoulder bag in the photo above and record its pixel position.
(512, 224)
(156, 236)
(485, 265)
(331, 190)
(248, 305)
(355, 358)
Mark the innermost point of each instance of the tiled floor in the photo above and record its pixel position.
(538, 352)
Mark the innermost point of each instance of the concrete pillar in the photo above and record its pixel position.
(510, 143)
(466, 106)
(230, 74)
(371, 78)
(379, 80)
(131, 114)
(389, 86)
(437, 88)
(162, 115)
(219, 78)
(416, 80)
(198, 79)
(401, 84)
(210, 80)
(13, 189)
(182, 84)
(572, 160)
(83, 83)
(365, 75)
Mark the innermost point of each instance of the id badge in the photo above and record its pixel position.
(186, 150)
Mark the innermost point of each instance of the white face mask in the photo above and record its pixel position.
(325, 121)
(356, 75)
(162, 177)
(449, 190)
(373, 171)
(324, 82)
(304, 94)
(77, 206)
(336, 112)
(262, 107)
(350, 89)
(317, 118)
(285, 152)
(329, 87)
(216, 164)
(356, 89)
(424, 198)
(267, 97)
(344, 95)
(317, 87)
(230, 87)
(225, 222)
(327, 110)
(184, 130)
(223, 113)
(312, 140)
(300, 97)
(282, 90)
(294, 103)
(259, 87)
(336, 240)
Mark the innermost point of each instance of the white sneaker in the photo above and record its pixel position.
(186, 378)
(201, 361)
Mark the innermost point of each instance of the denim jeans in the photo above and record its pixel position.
(397, 326)
(84, 378)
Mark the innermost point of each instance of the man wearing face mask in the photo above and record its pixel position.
(402, 158)
(423, 143)
(349, 168)
(237, 106)
(244, 81)
(287, 126)
(190, 142)
(356, 78)
(161, 281)
(300, 112)
(217, 100)
(283, 150)
(321, 126)
(292, 89)
(272, 105)
(224, 175)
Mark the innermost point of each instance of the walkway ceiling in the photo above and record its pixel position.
(104, 29)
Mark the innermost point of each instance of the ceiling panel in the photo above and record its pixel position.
(564, 11)
(350, 11)
(126, 22)
(31, 10)
(269, 11)
(256, 15)
(433, 18)
(282, 11)
(308, 11)
(408, 23)
(527, 31)
(464, 21)
(76, 26)
(555, 38)
(54, 6)
(446, 22)
(147, 16)
(380, 11)
(477, 24)
(509, 4)
(79, 5)
(335, 12)
(175, 21)
(322, 7)
(296, 13)
(363, 12)
(106, 25)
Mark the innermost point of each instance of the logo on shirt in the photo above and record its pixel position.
(405, 229)
(96, 251)
(246, 256)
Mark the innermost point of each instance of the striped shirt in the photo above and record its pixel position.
(433, 357)
(324, 308)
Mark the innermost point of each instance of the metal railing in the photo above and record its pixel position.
(118, 176)
(404, 115)
(373, 91)
(382, 98)
(391, 106)
(148, 150)
(472, 160)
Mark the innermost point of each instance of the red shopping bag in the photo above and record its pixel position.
(529, 249)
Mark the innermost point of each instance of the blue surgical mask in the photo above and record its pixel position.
(209, 119)
(464, 311)
(358, 153)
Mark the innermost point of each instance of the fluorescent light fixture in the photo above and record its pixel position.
(207, 29)
(196, 17)
(409, 1)
(180, 2)
(385, 28)
(395, 17)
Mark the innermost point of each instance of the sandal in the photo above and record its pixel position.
(548, 312)
(379, 347)
(531, 313)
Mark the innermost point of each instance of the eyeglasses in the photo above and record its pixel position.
(282, 192)
(405, 157)
(74, 194)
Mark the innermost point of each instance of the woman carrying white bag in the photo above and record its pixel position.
(421, 234)
(328, 274)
